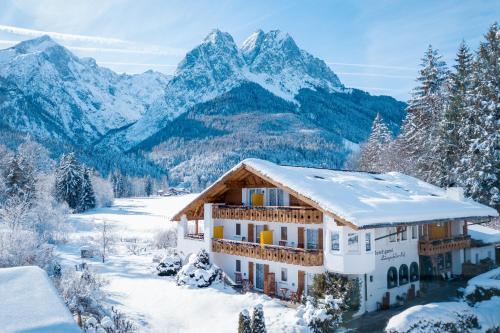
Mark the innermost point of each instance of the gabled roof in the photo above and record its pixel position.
(30, 303)
(358, 199)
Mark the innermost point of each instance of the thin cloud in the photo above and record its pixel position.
(134, 64)
(61, 36)
(376, 75)
(135, 50)
(402, 68)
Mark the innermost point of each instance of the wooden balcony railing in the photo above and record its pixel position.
(283, 214)
(287, 255)
(433, 247)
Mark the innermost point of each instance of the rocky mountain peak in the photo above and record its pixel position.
(39, 44)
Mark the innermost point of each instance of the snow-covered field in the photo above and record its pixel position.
(156, 303)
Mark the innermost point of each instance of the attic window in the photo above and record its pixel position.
(318, 177)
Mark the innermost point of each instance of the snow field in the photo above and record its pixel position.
(156, 303)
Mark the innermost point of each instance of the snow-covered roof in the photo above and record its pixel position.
(484, 234)
(29, 303)
(369, 199)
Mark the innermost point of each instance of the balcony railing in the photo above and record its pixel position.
(433, 247)
(288, 214)
(284, 254)
(199, 236)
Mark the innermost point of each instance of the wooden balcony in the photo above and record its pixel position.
(287, 255)
(289, 214)
(433, 247)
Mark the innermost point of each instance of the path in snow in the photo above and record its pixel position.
(157, 303)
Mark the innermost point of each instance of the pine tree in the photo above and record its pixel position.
(425, 109)
(69, 180)
(258, 322)
(87, 198)
(454, 129)
(148, 186)
(482, 164)
(373, 150)
(19, 179)
(244, 322)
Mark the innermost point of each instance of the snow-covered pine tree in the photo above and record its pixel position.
(69, 177)
(482, 164)
(120, 183)
(19, 179)
(244, 322)
(425, 109)
(87, 198)
(373, 151)
(258, 321)
(454, 130)
(148, 186)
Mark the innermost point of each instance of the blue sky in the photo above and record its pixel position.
(372, 45)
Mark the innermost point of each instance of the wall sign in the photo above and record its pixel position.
(389, 254)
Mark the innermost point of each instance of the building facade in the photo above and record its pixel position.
(274, 227)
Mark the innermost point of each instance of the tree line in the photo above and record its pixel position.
(451, 134)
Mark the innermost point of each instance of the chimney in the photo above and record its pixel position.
(455, 193)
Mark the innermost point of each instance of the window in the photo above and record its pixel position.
(403, 274)
(284, 233)
(335, 238)
(477, 258)
(275, 197)
(238, 229)
(284, 274)
(352, 242)
(414, 276)
(312, 239)
(393, 235)
(403, 234)
(238, 265)
(368, 242)
(414, 232)
(392, 278)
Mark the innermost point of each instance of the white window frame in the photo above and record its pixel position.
(368, 242)
(414, 232)
(350, 247)
(337, 233)
(284, 270)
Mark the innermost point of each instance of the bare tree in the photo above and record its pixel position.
(105, 239)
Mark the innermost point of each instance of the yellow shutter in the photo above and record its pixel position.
(266, 237)
(258, 199)
(218, 232)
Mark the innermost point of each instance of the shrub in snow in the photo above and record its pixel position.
(332, 295)
(166, 239)
(198, 271)
(258, 321)
(23, 247)
(82, 292)
(169, 265)
(244, 322)
(322, 315)
(446, 317)
(483, 287)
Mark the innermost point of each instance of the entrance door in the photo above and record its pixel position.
(259, 277)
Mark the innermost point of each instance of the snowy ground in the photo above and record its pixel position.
(157, 303)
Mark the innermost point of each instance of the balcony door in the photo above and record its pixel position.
(259, 276)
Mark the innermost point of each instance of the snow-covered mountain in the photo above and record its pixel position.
(81, 100)
(50, 93)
